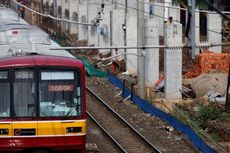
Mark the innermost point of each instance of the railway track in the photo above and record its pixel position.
(125, 136)
(95, 133)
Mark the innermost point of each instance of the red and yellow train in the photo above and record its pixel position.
(42, 96)
(42, 104)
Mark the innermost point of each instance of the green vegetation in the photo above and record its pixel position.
(206, 121)
(204, 118)
(207, 113)
(214, 137)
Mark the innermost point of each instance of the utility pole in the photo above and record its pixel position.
(140, 42)
(191, 37)
(228, 92)
(125, 26)
(55, 15)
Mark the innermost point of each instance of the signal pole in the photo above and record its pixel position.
(140, 42)
(192, 38)
(125, 30)
(125, 27)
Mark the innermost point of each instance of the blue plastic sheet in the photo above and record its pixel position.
(174, 122)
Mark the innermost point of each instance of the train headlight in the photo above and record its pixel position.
(73, 129)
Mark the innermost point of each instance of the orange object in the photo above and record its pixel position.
(209, 61)
(157, 84)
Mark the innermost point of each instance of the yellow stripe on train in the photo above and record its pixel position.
(44, 128)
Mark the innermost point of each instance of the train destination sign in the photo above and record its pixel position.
(60, 88)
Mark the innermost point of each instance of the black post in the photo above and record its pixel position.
(123, 88)
(132, 91)
(227, 94)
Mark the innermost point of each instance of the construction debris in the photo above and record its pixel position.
(205, 83)
(216, 97)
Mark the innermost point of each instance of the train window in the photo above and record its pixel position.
(4, 94)
(24, 74)
(3, 75)
(59, 94)
(24, 93)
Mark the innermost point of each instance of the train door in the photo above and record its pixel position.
(5, 120)
(24, 108)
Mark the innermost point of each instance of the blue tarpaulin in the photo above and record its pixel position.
(174, 122)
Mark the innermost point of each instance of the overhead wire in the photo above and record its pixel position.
(52, 17)
(90, 24)
(162, 16)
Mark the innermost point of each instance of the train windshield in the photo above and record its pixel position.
(59, 94)
(4, 94)
(24, 93)
(27, 92)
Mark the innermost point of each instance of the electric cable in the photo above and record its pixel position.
(52, 17)
(164, 17)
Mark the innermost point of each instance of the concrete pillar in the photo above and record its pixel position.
(175, 13)
(151, 55)
(72, 11)
(146, 8)
(83, 17)
(104, 39)
(214, 27)
(173, 62)
(65, 6)
(92, 32)
(167, 3)
(131, 62)
(119, 4)
(159, 14)
(118, 32)
(132, 4)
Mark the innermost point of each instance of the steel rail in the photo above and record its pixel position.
(127, 123)
(107, 133)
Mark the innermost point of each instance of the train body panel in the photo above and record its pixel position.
(49, 134)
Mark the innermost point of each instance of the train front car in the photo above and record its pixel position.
(42, 104)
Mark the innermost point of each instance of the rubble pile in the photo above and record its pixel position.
(207, 62)
(207, 82)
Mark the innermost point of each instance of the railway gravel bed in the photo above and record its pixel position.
(97, 141)
(130, 141)
(154, 129)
